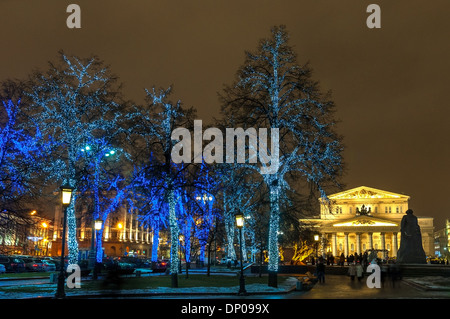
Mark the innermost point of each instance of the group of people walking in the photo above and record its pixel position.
(355, 270)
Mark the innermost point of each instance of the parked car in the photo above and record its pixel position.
(136, 262)
(118, 265)
(33, 264)
(160, 265)
(54, 260)
(48, 265)
(2, 269)
(12, 264)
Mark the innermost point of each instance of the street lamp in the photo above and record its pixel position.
(181, 238)
(316, 239)
(240, 224)
(97, 226)
(66, 196)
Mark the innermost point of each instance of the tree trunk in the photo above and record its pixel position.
(273, 233)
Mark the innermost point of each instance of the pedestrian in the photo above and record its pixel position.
(359, 271)
(342, 259)
(320, 269)
(352, 271)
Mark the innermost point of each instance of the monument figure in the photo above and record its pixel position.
(411, 250)
(363, 212)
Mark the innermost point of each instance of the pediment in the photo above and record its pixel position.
(364, 221)
(364, 192)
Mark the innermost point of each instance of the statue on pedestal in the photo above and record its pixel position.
(411, 250)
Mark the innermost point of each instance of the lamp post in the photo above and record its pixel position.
(66, 196)
(239, 224)
(97, 226)
(181, 238)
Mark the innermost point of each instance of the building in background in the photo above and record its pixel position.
(364, 218)
(25, 233)
(124, 234)
(442, 241)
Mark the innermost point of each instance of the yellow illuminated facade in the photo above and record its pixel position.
(364, 218)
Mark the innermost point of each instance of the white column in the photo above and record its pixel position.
(383, 244)
(323, 248)
(106, 229)
(346, 245)
(136, 227)
(394, 245)
(334, 244)
(130, 230)
(124, 228)
(358, 243)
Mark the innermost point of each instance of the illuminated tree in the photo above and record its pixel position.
(22, 150)
(73, 102)
(272, 91)
(102, 183)
(153, 125)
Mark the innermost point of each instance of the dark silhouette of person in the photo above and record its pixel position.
(320, 268)
(411, 250)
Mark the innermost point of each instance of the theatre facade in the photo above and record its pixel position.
(364, 218)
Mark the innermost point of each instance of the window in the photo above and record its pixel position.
(390, 209)
(386, 209)
(350, 210)
(397, 210)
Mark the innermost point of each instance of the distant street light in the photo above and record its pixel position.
(316, 239)
(181, 238)
(66, 196)
(93, 253)
(98, 224)
(240, 224)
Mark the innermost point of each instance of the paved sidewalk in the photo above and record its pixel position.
(341, 287)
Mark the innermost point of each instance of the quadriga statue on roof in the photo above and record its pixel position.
(411, 250)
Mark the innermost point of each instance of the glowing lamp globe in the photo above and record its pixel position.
(66, 194)
(239, 220)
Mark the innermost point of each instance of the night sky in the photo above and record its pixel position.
(390, 85)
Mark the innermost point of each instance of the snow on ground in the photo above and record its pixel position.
(50, 290)
(431, 282)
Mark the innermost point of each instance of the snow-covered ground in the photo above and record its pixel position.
(437, 283)
(288, 284)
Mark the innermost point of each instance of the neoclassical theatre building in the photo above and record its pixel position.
(364, 218)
